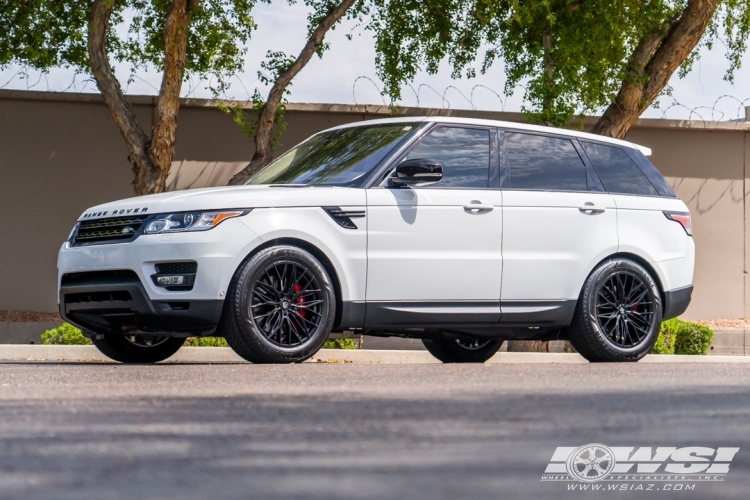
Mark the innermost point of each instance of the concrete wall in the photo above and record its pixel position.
(62, 153)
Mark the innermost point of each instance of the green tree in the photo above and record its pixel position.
(177, 38)
(573, 57)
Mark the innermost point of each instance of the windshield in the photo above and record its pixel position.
(341, 157)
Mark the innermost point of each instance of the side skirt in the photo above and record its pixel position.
(457, 315)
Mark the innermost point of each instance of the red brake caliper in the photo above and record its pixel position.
(300, 300)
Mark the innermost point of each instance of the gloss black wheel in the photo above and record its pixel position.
(619, 313)
(625, 309)
(280, 307)
(287, 303)
(462, 350)
(137, 348)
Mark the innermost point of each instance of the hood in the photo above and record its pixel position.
(219, 198)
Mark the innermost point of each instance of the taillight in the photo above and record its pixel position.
(683, 218)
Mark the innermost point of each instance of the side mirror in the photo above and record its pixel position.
(417, 172)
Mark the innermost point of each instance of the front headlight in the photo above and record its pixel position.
(189, 221)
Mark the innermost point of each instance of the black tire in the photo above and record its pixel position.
(137, 348)
(618, 314)
(280, 307)
(462, 351)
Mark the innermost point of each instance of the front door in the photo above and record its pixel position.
(435, 252)
(558, 223)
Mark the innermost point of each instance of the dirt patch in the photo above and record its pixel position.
(722, 324)
(29, 317)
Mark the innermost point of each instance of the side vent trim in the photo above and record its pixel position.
(344, 217)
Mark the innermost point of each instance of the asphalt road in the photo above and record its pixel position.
(325, 431)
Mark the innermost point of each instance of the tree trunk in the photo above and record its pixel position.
(266, 119)
(150, 158)
(164, 128)
(528, 346)
(652, 64)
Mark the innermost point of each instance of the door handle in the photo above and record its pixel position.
(589, 207)
(478, 207)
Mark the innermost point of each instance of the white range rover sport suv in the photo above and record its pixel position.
(460, 232)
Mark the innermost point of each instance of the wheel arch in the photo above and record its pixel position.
(318, 254)
(643, 262)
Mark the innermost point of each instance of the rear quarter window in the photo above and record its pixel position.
(650, 171)
(618, 172)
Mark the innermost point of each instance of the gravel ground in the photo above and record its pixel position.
(351, 431)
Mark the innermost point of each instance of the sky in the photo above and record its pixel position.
(346, 75)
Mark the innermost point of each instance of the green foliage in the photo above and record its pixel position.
(693, 338)
(667, 335)
(683, 337)
(341, 344)
(219, 29)
(570, 56)
(44, 34)
(64, 334)
(206, 342)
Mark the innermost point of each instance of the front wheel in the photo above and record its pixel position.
(280, 307)
(137, 348)
(619, 313)
(462, 351)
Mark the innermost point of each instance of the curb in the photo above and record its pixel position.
(90, 354)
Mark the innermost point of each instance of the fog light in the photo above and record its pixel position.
(170, 280)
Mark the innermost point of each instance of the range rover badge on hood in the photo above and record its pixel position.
(114, 213)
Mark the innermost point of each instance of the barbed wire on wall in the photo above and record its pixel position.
(724, 108)
(698, 113)
(445, 102)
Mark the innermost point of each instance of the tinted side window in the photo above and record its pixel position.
(617, 171)
(649, 170)
(539, 162)
(463, 152)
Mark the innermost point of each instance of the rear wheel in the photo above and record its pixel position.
(619, 313)
(137, 348)
(462, 351)
(280, 307)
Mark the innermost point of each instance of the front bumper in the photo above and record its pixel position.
(109, 287)
(117, 302)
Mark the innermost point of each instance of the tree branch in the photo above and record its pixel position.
(119, 107)
(266, 119)
(652, 64)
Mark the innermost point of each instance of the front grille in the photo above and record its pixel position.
(176, 267)
(114, 230)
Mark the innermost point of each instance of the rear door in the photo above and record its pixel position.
(557, 224)
(434, 252)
